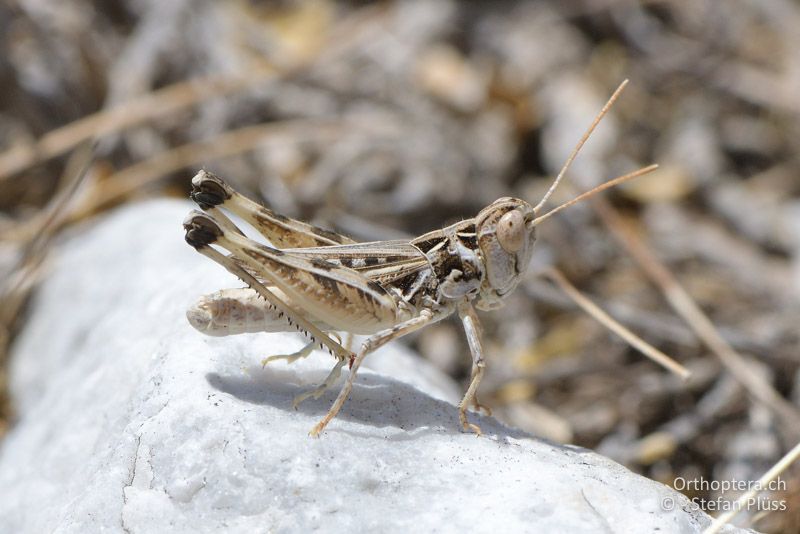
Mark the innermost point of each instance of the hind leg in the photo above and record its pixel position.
(293, 357)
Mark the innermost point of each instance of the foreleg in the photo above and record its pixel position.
(472, 329)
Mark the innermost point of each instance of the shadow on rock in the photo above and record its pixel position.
(377, 401)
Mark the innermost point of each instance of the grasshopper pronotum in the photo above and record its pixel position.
(322, 282)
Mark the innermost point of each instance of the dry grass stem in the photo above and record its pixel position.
(687, 308)
(774, 472)
(609, 322)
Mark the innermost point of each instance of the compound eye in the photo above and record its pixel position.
(511, 231)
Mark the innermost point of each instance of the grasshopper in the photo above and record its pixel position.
(322, 282)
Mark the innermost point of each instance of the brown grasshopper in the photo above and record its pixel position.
(322, 282)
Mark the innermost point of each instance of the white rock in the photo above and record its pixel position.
(132, 421)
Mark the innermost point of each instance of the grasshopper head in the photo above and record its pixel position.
(505, 232)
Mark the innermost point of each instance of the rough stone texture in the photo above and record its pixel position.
(132, 421)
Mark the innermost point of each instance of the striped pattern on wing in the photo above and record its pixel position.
(333, 293)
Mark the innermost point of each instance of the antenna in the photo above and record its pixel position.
(580, 144)
(601, 187)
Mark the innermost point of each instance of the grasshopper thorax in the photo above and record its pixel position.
(505, 233)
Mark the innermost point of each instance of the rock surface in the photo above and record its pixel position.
(131, 421)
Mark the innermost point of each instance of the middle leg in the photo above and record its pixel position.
(381, 338)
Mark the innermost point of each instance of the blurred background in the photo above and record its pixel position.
(388, 119)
